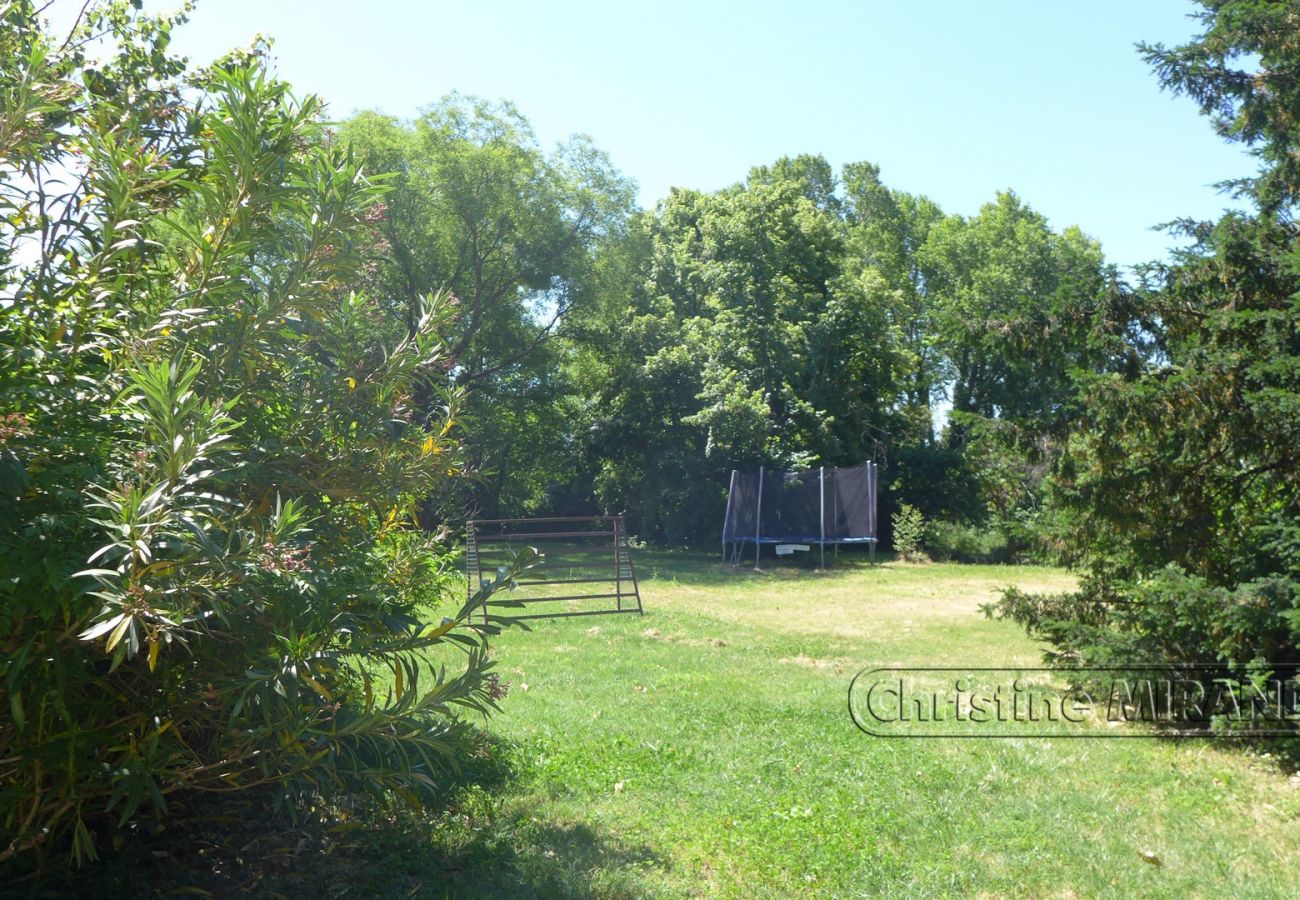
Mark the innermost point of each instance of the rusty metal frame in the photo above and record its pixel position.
(510, 532)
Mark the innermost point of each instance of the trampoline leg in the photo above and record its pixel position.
(758, 548)
(873, 552)
(823, 554)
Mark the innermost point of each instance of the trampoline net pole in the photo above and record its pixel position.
(871, 509)
(758, 518)
(821, 513)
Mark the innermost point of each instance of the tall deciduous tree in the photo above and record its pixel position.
(888, 230)
(477, 208)
(746, 344)
(1014, 303)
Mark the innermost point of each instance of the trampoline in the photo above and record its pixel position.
(803, 507)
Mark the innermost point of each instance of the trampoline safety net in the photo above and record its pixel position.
(814, 506)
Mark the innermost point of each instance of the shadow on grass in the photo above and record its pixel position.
(481, 845)
(521, 856)
(474, 844)
(708, 570)
(463, 852)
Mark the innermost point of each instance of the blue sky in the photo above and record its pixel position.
(956, 100)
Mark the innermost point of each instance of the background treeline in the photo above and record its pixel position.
(625, 360)
(1143, 428)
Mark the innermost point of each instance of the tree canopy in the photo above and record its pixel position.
(1179, 494)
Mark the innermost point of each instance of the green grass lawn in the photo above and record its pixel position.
(705, 749)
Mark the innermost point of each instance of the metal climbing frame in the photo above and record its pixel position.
(583, 557)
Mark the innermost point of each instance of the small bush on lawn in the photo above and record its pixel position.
(210, 578)
(909, 533)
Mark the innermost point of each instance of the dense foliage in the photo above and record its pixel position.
(253, 367)
(628, 362)
(1179, 495)
(516, 235)
(1019, 394)
(210, 455)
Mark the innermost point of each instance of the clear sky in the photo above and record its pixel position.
(956, 100)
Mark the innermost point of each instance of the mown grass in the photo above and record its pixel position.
(705, 749)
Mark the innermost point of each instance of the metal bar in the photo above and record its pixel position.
(631, 568)
(568, 581)
(562, 597)
(567, 549)
(473, 569)
(726, 516)
(541, 519)
(618, 571)
(543, 535)
(758, 518)
(566, 615)
(874, 483)
(821, 494)
(835, 504)
(574, 541)
(573, 569)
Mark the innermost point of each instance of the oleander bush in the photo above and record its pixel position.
(212, 577)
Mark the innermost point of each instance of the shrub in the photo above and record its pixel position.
(1172, 617)
(967, 543)
(210, 573)
(909, 532)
